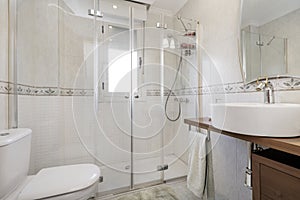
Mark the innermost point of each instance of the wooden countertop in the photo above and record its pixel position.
(289, 145)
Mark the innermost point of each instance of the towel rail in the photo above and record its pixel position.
(198, 129)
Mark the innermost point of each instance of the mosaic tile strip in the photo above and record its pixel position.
(288, 84)
(284, 84)
(8, 88)
(156, 92)
(37, 91)
(76, 92)
(4, 89)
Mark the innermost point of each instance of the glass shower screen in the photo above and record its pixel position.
(93, 79)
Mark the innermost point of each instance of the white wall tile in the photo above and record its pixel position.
(3, 62)
(4, 110)
(220, 30)
(220, 23)
(55, 140)
(224, 154)
(44, 116)
(38, 43)
(4, 40)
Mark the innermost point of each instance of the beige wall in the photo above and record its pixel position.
(288, 27)
(219, 30)
(3, 61)
(219, 21)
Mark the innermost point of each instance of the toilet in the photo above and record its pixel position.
(70, 182)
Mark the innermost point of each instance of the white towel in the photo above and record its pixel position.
(197, 164)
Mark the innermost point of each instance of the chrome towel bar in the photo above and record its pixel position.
(198, 130)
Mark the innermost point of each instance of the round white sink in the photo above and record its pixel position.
(268, 120)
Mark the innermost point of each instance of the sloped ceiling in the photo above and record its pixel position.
(171, 5)
(259, 12)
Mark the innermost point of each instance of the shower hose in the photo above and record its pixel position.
(171, 91)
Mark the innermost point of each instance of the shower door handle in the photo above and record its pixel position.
(162, 167)
(135, 96)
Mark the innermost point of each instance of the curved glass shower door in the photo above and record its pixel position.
(148, 113)
(122, 104)
(114, 88)
(94, 76)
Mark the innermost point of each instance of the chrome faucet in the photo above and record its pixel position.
(268, 89)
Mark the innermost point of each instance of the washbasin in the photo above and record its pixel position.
(255, 119)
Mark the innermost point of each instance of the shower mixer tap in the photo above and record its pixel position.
(161, 25)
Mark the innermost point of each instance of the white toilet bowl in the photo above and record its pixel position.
(69, 182)
(76, 182)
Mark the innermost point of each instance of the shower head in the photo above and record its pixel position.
(271, 40)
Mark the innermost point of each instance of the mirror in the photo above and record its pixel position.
(270, 38)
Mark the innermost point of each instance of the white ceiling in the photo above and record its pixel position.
(259, 12)
(171, 5)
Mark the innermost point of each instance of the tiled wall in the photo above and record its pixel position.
(37, 37)
(57, 109)
(221, 82)
(49, 112)
(3, 64)
(219, 30)
(46, 103)
(54, 140)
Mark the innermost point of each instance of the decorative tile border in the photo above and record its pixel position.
(8, 88)
(157, 93)
(288, 84)
(4, 89)
(284, 84)
(37, 91)
(76, 92)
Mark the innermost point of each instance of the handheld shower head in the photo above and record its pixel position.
(184, 26)
(271, 40)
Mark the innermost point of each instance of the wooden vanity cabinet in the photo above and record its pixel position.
(276, 175)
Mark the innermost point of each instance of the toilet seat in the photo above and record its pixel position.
(61, 181)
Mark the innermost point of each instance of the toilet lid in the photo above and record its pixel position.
(60, 180)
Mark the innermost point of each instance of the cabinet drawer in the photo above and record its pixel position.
(277, 185)
(276, 175)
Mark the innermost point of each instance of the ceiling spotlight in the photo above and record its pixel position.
(110, 26)
(115, 6)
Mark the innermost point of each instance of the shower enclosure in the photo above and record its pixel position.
(263, 55)
(92, 81)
